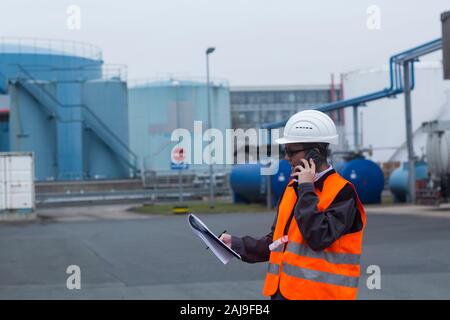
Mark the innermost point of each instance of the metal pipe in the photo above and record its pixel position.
(409, 135)
(269, 185)
(355, 127)
(269, 193)
(395, 77)
(413, 81)
(180, 179)
(211, 180)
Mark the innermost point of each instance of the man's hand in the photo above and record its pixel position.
(226, 238)
(305, 174)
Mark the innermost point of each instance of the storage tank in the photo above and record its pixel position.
(249, 186)
(54, 114)
(4, 130)
(158, 107)
(382, 122)
(247, 183)
(398, 180)
(339, 165)
(367, 177)
(48, 59)
(438, 153)
(280, 180)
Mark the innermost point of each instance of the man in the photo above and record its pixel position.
(315, 243)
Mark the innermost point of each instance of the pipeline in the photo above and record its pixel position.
(395, 77)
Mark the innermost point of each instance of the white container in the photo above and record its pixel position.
(438, 153)
(17, 182)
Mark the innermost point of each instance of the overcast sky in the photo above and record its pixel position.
(259, 42)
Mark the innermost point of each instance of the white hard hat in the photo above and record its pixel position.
(309, 126)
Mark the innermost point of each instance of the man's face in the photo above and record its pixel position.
(294, 153)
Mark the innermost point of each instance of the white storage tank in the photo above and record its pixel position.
(16, 183)
(438, 153)
(382, 122)
(438, 143)
(156, 108)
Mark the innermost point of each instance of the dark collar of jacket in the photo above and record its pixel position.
(319, 183)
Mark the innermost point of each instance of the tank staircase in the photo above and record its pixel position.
(90, 120)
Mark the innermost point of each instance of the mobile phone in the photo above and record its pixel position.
(317, 158)
(312, 154)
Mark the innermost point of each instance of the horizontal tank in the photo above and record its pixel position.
(339, 165)
(398, 180)
(438, 153)
(247, 183)
(367, 177)
(249, 186)
(280, 180)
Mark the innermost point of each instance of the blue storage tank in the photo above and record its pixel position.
(280, 180)
(249, 186)
(51, 60)
(247, 183)
(4, 130)
(367, 177)
(61, 109)
(398, 180)
(339, 165)
(157, 108)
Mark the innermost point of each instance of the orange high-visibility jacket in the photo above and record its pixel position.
(302, 273)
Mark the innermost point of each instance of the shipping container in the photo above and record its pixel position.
(16, 182)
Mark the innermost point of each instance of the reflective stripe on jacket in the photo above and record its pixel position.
(303, 273)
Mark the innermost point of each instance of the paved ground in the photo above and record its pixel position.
(123, 256)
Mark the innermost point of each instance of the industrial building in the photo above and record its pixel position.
(252, 106)
(82, 120)
(59, 101)
(97, 195)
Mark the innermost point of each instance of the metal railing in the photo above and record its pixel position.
(114, 72)
(182, 80)
(51, 110)
(194, 183)
(85, 72)
(49, 46)
(98, 125)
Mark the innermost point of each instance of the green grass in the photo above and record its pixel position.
(202, 207)
(387, 200)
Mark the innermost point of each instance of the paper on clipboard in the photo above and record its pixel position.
(220, 249)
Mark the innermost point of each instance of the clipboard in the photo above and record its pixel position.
(220, 249)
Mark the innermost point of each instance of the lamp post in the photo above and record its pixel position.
(211, 183)
(176, 83)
